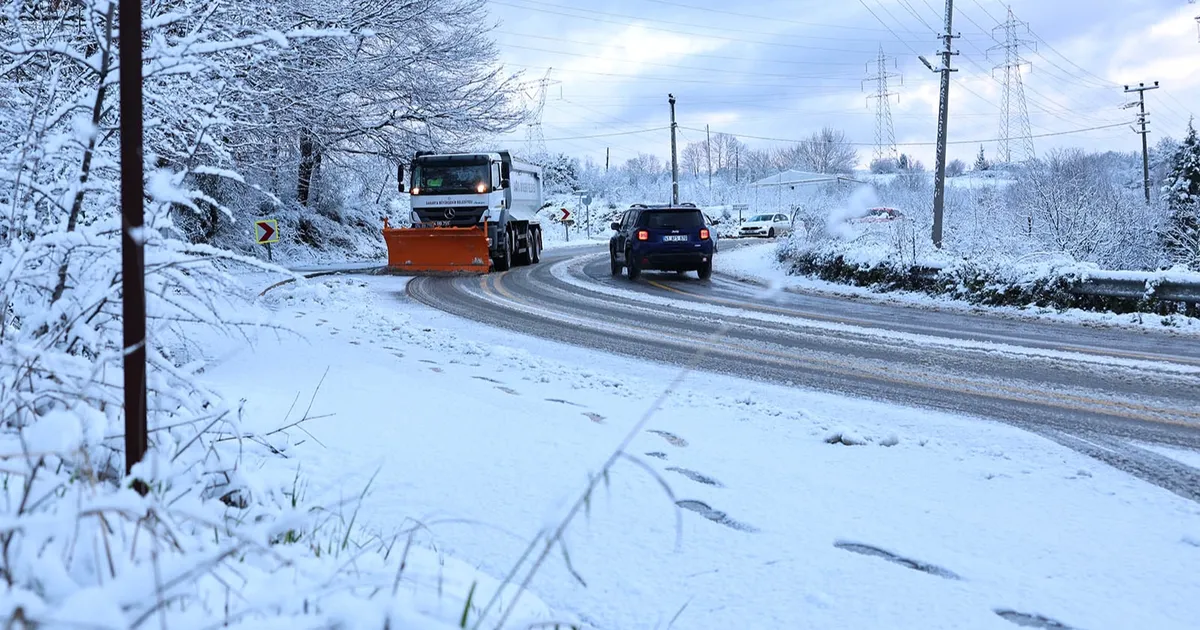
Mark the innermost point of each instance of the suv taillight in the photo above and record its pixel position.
(704, 235)
(643, 235)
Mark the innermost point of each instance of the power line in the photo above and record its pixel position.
(606, 135)
(673, 66)
(768, 18)
(640, 77)
(925, 144)
(638, 22)
(690, 54)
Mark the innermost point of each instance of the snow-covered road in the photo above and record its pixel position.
(798, 508)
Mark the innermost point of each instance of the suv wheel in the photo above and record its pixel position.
(612, 262)
(705, 272)
(632, 266)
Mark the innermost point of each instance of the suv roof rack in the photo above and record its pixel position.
(684, 204)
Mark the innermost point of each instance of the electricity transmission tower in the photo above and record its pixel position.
(535, 139)
(885, 131)
(1014, 110)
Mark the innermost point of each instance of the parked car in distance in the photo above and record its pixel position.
(662, 238)
(878, 215)
(766, 225)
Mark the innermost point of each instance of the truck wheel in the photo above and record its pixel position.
(631, 266)
(535, 247)
(504, 262)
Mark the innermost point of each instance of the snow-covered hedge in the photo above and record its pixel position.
(990, 282)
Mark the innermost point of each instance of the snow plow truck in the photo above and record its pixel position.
(471, 213)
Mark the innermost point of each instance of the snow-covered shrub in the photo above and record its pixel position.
(222, 534)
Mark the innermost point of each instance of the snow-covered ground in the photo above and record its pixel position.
(485, 438)
(758, 263)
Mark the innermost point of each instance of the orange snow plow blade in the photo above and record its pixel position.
(437, 249)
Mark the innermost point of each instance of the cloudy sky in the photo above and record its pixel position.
(776, 70)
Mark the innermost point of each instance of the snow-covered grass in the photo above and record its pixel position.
(485, 437)
(761, 264)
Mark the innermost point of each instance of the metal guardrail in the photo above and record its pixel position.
(1128, 288)
(1135, 289)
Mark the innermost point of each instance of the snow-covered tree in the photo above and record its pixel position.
(405, 76)
(1181, 192)
(1073, 203)
(824, 151)
(981, 161)
(884, 165)
(955, 168)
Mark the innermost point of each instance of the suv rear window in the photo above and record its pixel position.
(672, 219)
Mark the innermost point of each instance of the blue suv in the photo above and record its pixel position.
(662, 237)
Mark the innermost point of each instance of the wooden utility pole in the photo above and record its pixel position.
(1144, 132)
(133, 265)
(607, 155)
(939, 181)
(674, 154)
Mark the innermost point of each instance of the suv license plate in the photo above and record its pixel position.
(679, 237)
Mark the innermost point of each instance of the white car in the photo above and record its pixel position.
(768, 225)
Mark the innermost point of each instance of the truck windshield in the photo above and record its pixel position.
(451, 179)
(673, 219)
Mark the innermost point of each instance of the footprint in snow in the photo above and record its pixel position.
(1032, 621)
(716, 516)
(484, 378)
(428, 361)
(563, 402)
(594, 417)
(436, 369)
(917, 565)
(671, 438)
(508, 390)
(657, 454)
(697, 477)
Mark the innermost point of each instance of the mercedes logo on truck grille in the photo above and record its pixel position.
(449, 213)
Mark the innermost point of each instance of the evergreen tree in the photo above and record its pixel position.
(981, 163)
(1181, 192)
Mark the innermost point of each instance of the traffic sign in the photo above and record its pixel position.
(587, 199)
(566, 214)
(266, 231)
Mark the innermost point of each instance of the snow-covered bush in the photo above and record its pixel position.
(223, 534)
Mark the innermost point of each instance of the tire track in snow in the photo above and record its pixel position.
(1090, 408)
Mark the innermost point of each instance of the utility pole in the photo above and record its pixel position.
(939, 181)
(885, 131)
(737, 163)
(133, 262)
(607, 154)
(708, 151)
(1143, 122)
(674, 155)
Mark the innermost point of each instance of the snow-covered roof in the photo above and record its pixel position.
(798, 178)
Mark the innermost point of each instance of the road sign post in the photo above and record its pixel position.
(586, 198)
(740, 207)
(266, 231)
(566, 226)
